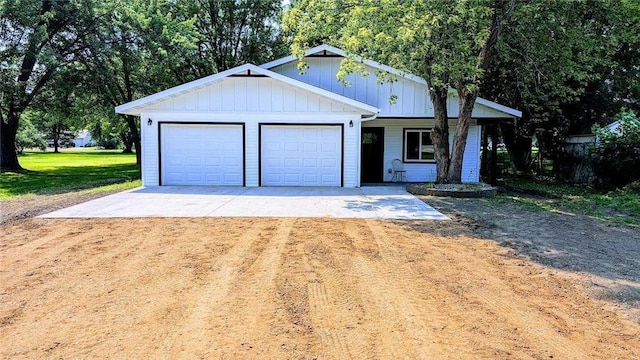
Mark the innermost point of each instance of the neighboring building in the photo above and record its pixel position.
(272, 126)
(83, 139)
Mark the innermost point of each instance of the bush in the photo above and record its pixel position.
(29, 137)
(616, 155)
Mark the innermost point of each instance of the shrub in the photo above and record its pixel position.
(29, 137)
(616, 155)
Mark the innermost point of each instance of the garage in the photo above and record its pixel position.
(301, 155)
(201, 154)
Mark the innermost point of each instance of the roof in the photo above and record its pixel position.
(331, 50)
(135, 107)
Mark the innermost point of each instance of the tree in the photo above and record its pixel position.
(38, 38)
(566, 65)
(232, 33)
(28, 136)
(616, 156)
(56, 112)
(120, 57)
(448, 43)
(146, 47)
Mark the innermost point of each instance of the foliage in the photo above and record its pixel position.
(445, 42)
(617, 206)
(566, 65)
(229, 33)
(69, 170)
(616, 155)
(29, 137)
(39, 38)
(144, 47)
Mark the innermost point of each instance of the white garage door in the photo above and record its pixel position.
(201, 154)
(301, 155)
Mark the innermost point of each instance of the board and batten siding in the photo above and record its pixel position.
(252, 101)
(413, 97)
(249, 94)
(393, 142)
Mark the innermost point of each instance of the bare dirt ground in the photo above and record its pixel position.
(308, 289)
(29, 206)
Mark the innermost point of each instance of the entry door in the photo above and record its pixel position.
(372, 164)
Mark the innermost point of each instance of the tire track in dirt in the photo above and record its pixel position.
(400, 296)
(211, 296)
(521, 329)
(501, 301)
(322, 317)
(326, 309)
(243, 334)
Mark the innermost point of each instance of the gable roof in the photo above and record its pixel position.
(135, 107)
(331, 50)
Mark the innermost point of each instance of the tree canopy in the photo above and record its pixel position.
(448, 43)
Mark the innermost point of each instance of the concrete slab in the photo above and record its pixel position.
(370, 202)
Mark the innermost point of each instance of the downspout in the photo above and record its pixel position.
(373, 117)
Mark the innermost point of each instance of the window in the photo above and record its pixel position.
(418, 146)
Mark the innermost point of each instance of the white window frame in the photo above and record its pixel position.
(422, 146)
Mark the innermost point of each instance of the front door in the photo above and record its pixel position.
(372, 163)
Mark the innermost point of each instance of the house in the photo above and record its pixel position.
(83, 139)
(269, 125)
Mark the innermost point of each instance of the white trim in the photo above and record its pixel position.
(134, 107)
(389, 69)
(501, 108)
(405, 142)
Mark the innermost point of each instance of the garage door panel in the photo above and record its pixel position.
(202, 154)
(301, 155)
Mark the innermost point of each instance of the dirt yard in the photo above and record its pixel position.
(308, 289)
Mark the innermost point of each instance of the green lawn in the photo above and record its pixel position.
(618, 206)
(70, 170)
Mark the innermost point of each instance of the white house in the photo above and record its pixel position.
(269, 125)
(82, 139)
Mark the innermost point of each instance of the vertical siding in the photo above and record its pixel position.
(393, 133)
(247, 94)
(413, 97)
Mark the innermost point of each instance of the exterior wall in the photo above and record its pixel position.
(150, 154)
(249, 100)
(249, 94)
(393, 134)
(413, 97)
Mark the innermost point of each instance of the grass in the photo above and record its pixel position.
(618, 206)
(70, 170)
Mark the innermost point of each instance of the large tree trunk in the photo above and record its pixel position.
(56, 138)
(8, 153)
(467, 100)
(518, 141)
(127, 140)
(135, 134)
(440, 134)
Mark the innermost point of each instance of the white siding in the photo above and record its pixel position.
(248, 94)
(413, 97)
(393, 133)
(249, 100)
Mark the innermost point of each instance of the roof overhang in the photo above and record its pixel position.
(135, 107)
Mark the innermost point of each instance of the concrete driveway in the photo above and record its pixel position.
(371, 202)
